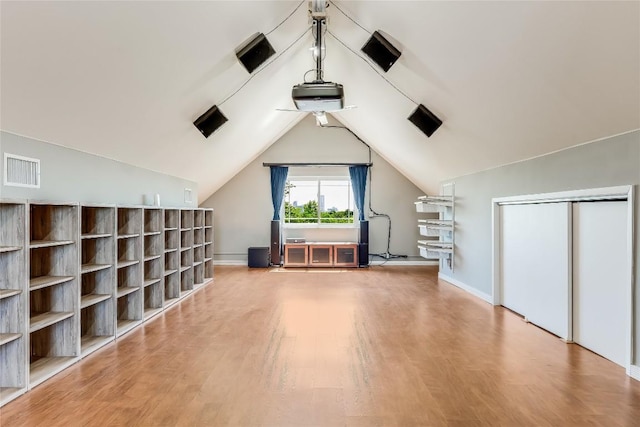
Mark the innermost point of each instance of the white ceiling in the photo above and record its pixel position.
(510, 80)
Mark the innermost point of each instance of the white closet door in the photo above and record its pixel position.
(600, 282)
(515, 231)
(535, 263)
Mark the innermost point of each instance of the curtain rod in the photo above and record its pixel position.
(316, 164)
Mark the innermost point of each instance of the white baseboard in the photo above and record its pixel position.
(402, 262)
(634, 372)
(230, 262)
(464, 287)
(374, 262)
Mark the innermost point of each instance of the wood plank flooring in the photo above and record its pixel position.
(384, 346)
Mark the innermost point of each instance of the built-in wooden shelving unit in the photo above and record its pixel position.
(74, 278)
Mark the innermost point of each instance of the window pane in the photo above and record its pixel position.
(315, 200)
(335, 202)
(301, 205)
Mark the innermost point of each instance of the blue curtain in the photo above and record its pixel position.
(359, 184)
(278, 181)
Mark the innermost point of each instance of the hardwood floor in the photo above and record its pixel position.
(384, 346)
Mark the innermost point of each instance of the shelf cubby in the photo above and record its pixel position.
(97, 221)
(208, 218)
(198, 261)
(198, 253)
(208, 235)
(153, 221)
(198, 274)
(208, 270)
(171, 288)
(186, 219)
(54, 341)
(198, 218)
(186, 270)
(153, 287)
(129, 310)
(153, 299)
(186, 281)
(129, 297)
(13, 300)
(129, 291)
(129, 221)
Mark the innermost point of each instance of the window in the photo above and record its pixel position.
(318, 201)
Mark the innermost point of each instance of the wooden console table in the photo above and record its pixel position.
(321, 254)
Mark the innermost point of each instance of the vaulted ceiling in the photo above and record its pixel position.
(510, 80)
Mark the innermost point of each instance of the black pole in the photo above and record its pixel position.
(319, 49)
(267, 164)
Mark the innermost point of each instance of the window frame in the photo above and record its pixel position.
(318, 223)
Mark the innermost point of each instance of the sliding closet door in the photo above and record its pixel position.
(600, 282)
(535, 263)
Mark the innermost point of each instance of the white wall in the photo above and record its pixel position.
(605, 163)
(243, 208)
(74, 176)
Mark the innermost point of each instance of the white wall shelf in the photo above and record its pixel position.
(440, 230)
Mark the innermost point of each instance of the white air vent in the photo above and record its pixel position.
(187, 195)
(21, 171)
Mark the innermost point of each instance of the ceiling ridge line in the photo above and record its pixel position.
(286, 19)
(349, 17)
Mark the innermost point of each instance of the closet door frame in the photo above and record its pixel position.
(624, 192)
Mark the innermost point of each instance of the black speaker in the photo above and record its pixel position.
(364, 232)
(381, 51)
(276, 243)
(363, 244)
(425, 120)
(254, 52)
(210, 121)
(363, 255)
(258, 258)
